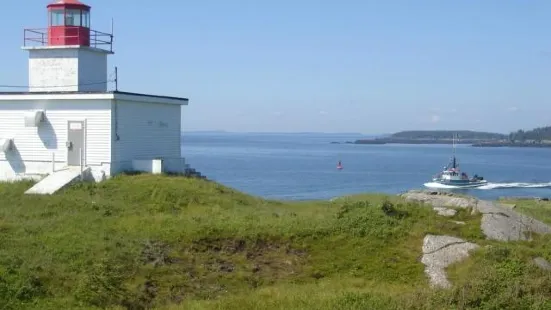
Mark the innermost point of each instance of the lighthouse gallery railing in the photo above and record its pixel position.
(39, 37)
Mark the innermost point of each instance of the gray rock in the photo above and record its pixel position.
(441, 251)
(459, 222)
(504, 224)
(445, 211)
(439, 199)
(542, 263)
(498, 222)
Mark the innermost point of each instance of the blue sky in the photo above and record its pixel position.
(329, 66)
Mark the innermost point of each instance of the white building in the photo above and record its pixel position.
(68, 119)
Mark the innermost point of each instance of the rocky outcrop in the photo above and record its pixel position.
(445, 211)
(441, 251)
(498, 222)
(504, 224)
(542, 263)
(440, 199)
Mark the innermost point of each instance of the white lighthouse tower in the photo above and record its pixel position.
(69, 124)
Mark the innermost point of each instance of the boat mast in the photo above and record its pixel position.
(453, 145)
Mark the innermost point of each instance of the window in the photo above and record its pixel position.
(86, 19)
(72, 18)
(56, 17)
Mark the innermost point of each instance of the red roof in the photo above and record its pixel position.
(68, 3)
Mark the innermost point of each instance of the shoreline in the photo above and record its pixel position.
(472, 143)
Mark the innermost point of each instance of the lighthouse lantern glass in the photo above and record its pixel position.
(72, 18)
(57, 17)
(86, 19)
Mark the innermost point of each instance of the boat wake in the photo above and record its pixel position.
(515, 185)
(492, 185)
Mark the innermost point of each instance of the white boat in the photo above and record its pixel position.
(452, 175)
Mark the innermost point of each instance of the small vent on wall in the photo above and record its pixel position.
(34, 118)
(6, 145)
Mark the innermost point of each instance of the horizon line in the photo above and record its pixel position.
(278, 132)
(334, 133)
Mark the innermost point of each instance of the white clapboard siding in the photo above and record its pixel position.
(38, 144)
(145, 130)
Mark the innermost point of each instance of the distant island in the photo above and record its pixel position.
(538, 137)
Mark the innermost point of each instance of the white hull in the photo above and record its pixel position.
(464, 184)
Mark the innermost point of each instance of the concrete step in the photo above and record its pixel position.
(191, 172)
(56, 181)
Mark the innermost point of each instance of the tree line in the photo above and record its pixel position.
(536, 135)
(539, 135)
(448, 135)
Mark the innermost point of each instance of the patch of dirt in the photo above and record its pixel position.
(156, 253)
(210, 267)
(260, 258)
(149, 292)
(230, 246)
(251, 249)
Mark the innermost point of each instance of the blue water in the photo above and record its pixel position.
(298, 167)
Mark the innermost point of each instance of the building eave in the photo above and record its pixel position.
(114, 95)
(66, 47)
(149, 98)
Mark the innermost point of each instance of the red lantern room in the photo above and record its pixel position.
(69, 23)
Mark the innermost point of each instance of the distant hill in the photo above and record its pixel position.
(437, 137)
(305, 133)
(538, 135)
(447, 135)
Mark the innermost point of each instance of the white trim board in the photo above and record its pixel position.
(93, 96)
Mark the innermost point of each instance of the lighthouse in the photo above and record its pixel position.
(68, 55)
(69, 124)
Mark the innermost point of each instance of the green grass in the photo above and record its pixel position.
(143, 241)
(538, 209)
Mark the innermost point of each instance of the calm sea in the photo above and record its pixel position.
(303, 166)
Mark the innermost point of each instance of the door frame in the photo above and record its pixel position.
(84, 140)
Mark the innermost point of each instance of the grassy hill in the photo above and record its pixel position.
(141, 242)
